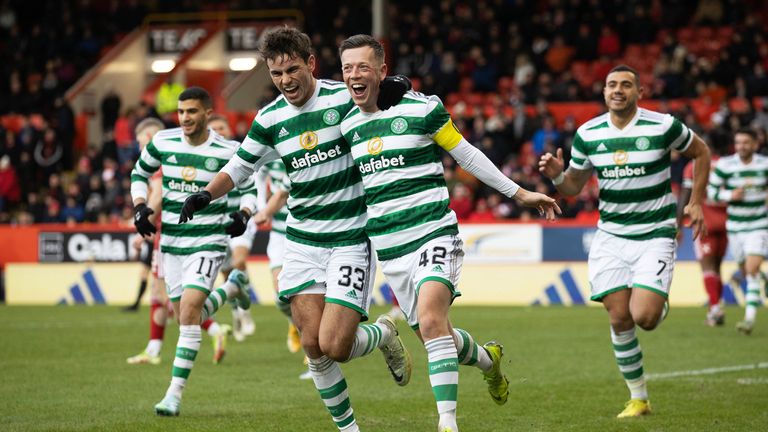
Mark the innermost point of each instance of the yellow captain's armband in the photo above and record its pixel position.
(448, 136)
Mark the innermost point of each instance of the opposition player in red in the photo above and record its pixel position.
(710, 247)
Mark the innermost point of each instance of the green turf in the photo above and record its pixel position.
(63, 369)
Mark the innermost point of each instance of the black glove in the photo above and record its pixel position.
(391, 91)
(196, 201)
(141, 220)
(239, 222)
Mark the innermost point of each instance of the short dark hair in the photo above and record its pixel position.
(285, 41)
(363, 40)
(747, 131)
(197, 93)
(625, 68)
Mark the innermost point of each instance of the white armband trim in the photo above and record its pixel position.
(559, 179)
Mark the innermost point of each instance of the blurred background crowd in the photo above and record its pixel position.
(518, 76)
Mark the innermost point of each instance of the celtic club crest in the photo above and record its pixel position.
(331, 117)
(399, 125)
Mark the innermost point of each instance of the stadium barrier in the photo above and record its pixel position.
(542, 284)
(509, 264)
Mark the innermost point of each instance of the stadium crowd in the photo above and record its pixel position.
(500, 66)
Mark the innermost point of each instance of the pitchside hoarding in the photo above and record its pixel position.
(543, 284)
(511, 264)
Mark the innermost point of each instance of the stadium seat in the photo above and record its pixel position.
(739, 105)
(13, 122)
(703, 33)
(685, 34)
(653, 50)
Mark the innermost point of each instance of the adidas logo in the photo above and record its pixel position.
(437, 269)
(351, 294)
(282, 133)
(602, 147)
(172, 159)
(355, 137)
(658, 281)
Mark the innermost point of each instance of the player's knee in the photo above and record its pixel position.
(337, 349)
(432, 326)
(311, 345)
(647, 321)
(621, 323)
(189, 317)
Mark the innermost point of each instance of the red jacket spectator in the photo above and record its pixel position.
(10, 192)
(608, 44)
(461, 201)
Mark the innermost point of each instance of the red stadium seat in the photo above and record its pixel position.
(704, 33)
(507, 83)
(738, 105)
(452, 99)
(653, 50)
(725, 33)
(13, 122)
(685, 34)
(634, 50)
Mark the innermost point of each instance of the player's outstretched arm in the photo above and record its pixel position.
(568, 182)
(546, 206)
(476, 163)
(699, 152)
(220, 185)
(275, 203)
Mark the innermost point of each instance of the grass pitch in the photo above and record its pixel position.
(64, 369)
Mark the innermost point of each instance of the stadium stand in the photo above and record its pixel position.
(519, 77)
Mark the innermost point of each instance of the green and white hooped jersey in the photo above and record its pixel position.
(235, 197)
(751, 213)
(188, 169)
(326, 202)
(400, 162)
(632, 165)
(278, 181)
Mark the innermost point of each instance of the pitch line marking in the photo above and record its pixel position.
(707, 371)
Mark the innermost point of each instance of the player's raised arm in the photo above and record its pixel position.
(568, 182)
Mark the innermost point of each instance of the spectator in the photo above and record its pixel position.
(36, 208)
(708, 13)
(608, 44)
(544, 139)
(10, 192)
(55, 190)
(48, 153)
(52, 209)
(461, 201)
(482, 213)
(558, 57)
(72, 211)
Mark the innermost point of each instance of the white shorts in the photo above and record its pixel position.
(616, 263)
(343, 274)
(276, 249)
(197, 271)
(439, 259)
(743, 244)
